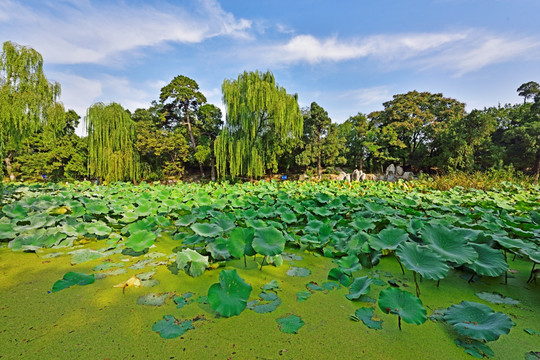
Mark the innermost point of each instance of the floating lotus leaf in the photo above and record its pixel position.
(272, 285)
(153, 299)
(475, 348)
(478, 321)
(360, 286)
(422, 260)
(207, 230)
(72, 278)
(496, 298)
(366, 315)
(339, 275)
(229, 296)
(140, 240)
(170, 327)
(448, 244)
(290, 324)
(192, 262)
(302, 295)
(404, 304)
(298, 271)
(490, 261)
(84, 255)
(268, 241)
(388, 239)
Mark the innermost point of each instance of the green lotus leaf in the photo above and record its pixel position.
(229, 296)
(145, 209)
(366, 315)
(331, 285)
(72, 278)
(289, 217)
(475, 348)
(323, 211)
(170, 327)
(339, 275)
(302, 295)
(496, 298)
(358, 243)
(225, 221)
(153, 299)
(323, 198)
(421, 260)
(388, 239)
(239, 242)
(363, 224)
(97, 208)
(272, 285)
(447, 244)
(510, 243)
(349, 264)
(207, 230)
(360, 286)
(192, 262)
(15, 211)
(98, 228)
(533, 254)
(290, 324)
(532, 355)
(490, 262)
(140, 240)
(268, 241)
(404, 304)
(6, 231)
(218, 249)
(186, 220)
(478, 321)
(298, 271)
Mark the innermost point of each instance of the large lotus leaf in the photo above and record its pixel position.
(34, 222)
(170, 328)
(339, 275)
(358, 243)
(496, 298)
(363, 224)
(145, 209)
(490, 261)
(186, 220)
(193, 262)
(323, 211)
(97, 208)
(360, 286)
(290, 324)
(478, 321)
(269, 241)
(510, 243)
(447, 244)
(422, 260)
(475, 348)
(289, 217)
(229, 296)
(218, 249)
(207, 230)
(533, 254)
(349, 264)
(366, 315)
(388, 239)
(238, 240)
(72, 278)
(98, 228)
(140, 240)
(6, 231)
(404, 304)
(15, 211)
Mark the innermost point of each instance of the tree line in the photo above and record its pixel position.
(264, 132)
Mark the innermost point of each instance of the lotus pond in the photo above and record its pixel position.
(269, 270)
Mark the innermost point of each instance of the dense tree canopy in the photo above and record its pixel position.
(260, 115)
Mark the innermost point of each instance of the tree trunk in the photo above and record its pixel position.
(361, 164)
(9, 168)
(212, 166)
(319, 167)
(193, 143)
(536, 168)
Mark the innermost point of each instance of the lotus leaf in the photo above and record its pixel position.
(475, 348)
(268, 241)
(153, 299)
(360, 286)
(448, 245)
(84, 255)
(403, 304)
(366, 315)
(170, 327)
(490, 262)
(73, 278)
(192, 262)
(207, 230)
(388, 239)
(422, 260)
(302, 295)
(339, 275)
(496, 298)
(239, 242)
(349, 264)
(478, 321)
(140, 240)
(229, 296)
(298, 271)
(290, 324)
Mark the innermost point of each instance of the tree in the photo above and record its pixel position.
(321, 141)
(163, 151)
(27, 98)
(415, 117)
(183, 98)
(111, 143)
(354, 130)
(209, 123)
(260, 116)
(528, 90)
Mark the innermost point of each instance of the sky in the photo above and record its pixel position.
(349, 56)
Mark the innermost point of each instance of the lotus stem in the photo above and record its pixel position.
(264, 258)
(400, 264)
(438, 282)
(471, 279)
(532, 273)
(417, 286)
(399, 322)
(245, 260)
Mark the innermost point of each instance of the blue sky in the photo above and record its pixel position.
(348, 56)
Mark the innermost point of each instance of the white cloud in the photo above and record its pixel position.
(82, 32)
(367, 96)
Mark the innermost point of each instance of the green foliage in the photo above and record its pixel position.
(290, 324)
(72, 278)
(170, 327)
(366, 315)
(229, 296)
(260, 116)
(192, 262)
(403, 304)
(111, 143)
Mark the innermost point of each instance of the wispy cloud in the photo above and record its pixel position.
(80, 32)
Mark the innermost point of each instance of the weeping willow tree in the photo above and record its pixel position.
(27, 99)
(260, 117)
(111, 143)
